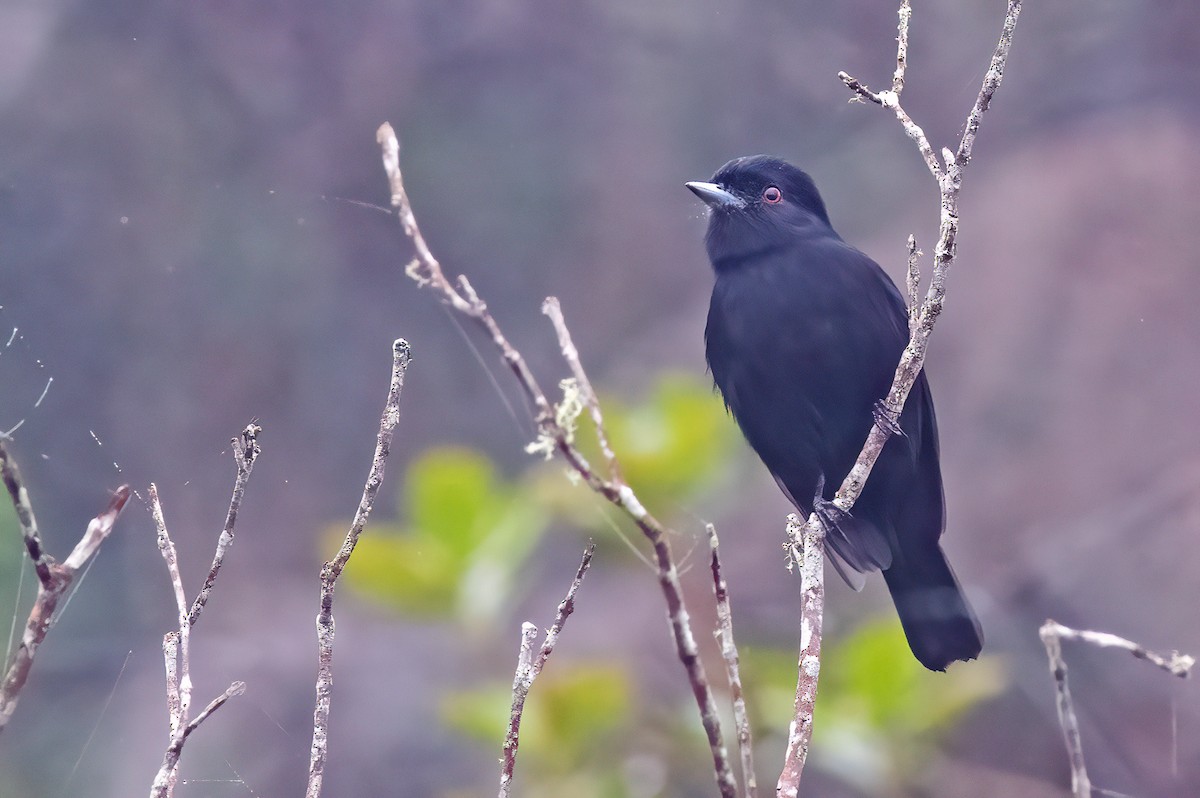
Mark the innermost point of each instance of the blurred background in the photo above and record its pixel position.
(188, 242)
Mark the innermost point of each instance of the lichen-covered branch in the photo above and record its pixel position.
(245, 452)
(949, 181)
(176, 643)
(528, 668)
(913, 283)
(1052, 634)
(556, 436)
(729, 653)
(807, 549)
(553, 310)
(913, 358)
(54, 578)
(401, 357)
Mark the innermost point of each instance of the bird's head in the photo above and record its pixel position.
(758, 204)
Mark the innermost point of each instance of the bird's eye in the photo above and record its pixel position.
(772, 195)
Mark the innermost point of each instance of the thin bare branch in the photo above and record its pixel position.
(29, 528)
(914, 354)
(1052, 634)
(901, 48)
(181, 636)
(522, 681)
(1174, 663)
(54, 578)
(565, 608)
(553, 435)
(401, 358)
(991, 82)
(729, 652)
(913, 283)
(528, 668)
(177, 642)
(553, 309)
(860, 89)
(245, 452)
(913, 359)
(164, 780)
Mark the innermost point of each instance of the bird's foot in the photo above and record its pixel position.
(887, 419)
(829, 514)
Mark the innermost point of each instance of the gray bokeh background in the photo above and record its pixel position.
(180, 249)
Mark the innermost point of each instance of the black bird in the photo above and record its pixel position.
(804, 334)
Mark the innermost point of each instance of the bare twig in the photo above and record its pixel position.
(901, 47)
(913, 358)
(29, 529)
(554, 435)
(528, 668)
(1052, 634)
(401, 357)
(522, 681)
(177, 642)
(245, 452)
(807, 547)
(911, 362)
(729, 652)
(891, 99)
(164, 780)
(553, 309)
(54, 579)
(913, 283)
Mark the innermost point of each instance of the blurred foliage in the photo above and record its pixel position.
(879, 711)
(465, 533)
(469, 531)
(573, 717)
(672, 445)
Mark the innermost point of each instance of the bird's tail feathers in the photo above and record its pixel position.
(940, 626)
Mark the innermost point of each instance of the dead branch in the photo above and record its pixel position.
(401, 357)
(528, 668)
(949, 179)
(245, 452)
(1052, 634)
(729, 652)
(177, 642)
(54, 578)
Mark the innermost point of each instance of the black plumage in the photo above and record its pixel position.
(803, 337)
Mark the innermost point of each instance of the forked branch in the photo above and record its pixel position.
(401, 358)
(54, 578)
(529, 666)
(949, 179)
(177, 642)
(1052, 634)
